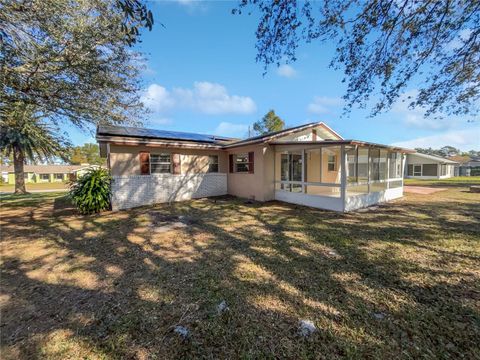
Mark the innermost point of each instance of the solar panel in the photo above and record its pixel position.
(158, 134)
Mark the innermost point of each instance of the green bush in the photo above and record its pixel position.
(90, 193)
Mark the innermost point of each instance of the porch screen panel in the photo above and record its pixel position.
(351, 165)
(430, 169)
(374, 164)
(362, 166)
(331, 165)
(312, 164)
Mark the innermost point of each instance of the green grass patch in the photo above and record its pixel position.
(459, 181)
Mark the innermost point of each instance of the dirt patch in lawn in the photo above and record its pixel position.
(399, 282)
(422, 189)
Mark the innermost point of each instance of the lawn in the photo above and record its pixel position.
(399, 281)
(35, 186)
(454, 181)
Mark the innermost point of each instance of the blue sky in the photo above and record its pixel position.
(201, 76)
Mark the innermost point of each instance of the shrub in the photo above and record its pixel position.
(90, 193)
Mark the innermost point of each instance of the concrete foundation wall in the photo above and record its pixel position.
(137, 190)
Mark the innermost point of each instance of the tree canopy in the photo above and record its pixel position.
(71, 59)
(383, 48)
(85, 154)
(269, 123)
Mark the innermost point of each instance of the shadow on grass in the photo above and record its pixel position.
(397, 282)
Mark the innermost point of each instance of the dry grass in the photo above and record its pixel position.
(401, 281)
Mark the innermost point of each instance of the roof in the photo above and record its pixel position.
(46, 169)
(435, 158)
(133, 132)
(104, 132)
(131, 136)
(343, 142)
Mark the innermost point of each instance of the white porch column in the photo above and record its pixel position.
(343, 175)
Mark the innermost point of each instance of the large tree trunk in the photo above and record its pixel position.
(18, 161)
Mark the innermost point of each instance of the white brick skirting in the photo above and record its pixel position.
(137, 190)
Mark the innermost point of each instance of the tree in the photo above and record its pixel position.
(25, 136)
(87, 153)
(383, 46)
(70, 61)
(269, 123)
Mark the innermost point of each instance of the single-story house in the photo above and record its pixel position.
(423, 166)
(45, 173)
(309, 165)
(466, 165)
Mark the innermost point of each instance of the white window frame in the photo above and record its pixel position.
(41, 175)
(55, 177)
(416, 173)
(169, 163)
(214, 162)
(236, 163)
(330, 162)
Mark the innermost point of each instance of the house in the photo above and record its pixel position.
(423, 166)
(45, 173)
(309, 165)
(466, 165)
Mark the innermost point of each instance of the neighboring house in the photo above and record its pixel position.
(45, 173)
(467, 166)
(423, 166)
(308, 165)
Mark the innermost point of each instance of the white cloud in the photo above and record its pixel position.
(205, 97)
(157, 98)
(286, 71)
(323, 104)
(231, 130)
(466, 139)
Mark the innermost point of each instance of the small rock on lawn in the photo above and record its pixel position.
(307, 328)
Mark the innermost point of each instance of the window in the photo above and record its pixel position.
(332, 163)
(25, 176)
(444, 170)
(58, 176)
(213, 163)
(44, 177)
(429, 169)
(160, 163)
(417, 170)
(242, 163)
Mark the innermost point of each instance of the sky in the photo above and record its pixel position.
(201, 76)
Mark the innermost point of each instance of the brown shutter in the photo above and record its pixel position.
(251, 160)
(230, 162)
(144, 162)
(314, 134)
(176, 164)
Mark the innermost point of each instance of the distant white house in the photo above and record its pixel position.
(425, 166)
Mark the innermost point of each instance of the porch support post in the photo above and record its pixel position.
(343, 177)
(303, 171)
(388, 170)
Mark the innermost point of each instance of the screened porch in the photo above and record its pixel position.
(337, 177)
